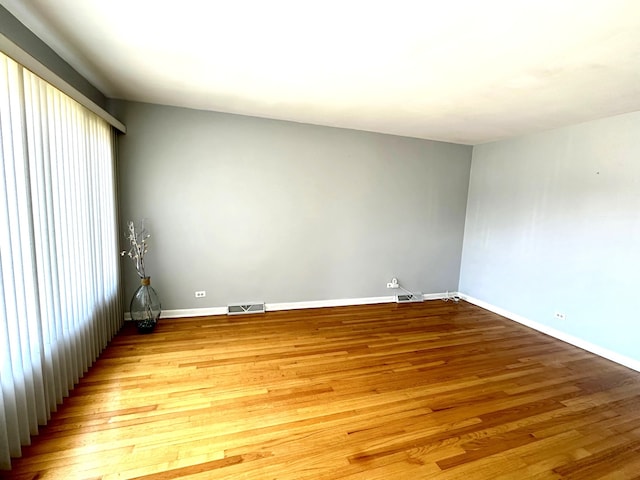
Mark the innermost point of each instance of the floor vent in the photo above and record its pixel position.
(409, 297)
(244, 308)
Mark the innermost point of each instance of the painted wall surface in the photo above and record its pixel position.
(251, 209)
(14, 30)
(553, 225)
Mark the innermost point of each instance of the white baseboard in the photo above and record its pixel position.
(565, 337)
(193, 312)
(187, 312)
(341, 302)
(273, 307)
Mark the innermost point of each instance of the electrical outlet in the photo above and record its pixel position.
(201, 294)
(560, 316)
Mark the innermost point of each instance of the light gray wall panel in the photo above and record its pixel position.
(255, 209)
(553, 225)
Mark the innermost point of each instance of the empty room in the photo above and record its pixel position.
(319, 240)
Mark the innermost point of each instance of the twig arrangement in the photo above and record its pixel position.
(138, 241)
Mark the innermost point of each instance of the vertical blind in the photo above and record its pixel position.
(59, 302)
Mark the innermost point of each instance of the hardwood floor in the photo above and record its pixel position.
(421, 391)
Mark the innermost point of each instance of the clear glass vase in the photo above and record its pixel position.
(145, 306)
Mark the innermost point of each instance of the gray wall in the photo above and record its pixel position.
(553, 225)
(11, 28)
(254, 209)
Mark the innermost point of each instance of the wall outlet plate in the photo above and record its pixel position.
(201, 294)
(560, 316)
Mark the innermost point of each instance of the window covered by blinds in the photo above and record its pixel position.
(60, 297)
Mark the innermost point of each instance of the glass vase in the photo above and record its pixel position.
(145, 307)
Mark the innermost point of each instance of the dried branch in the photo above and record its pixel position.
(138, 246)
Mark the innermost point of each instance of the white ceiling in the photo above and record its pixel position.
(464, 71)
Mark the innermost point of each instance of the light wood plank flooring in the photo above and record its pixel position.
(422, 391)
